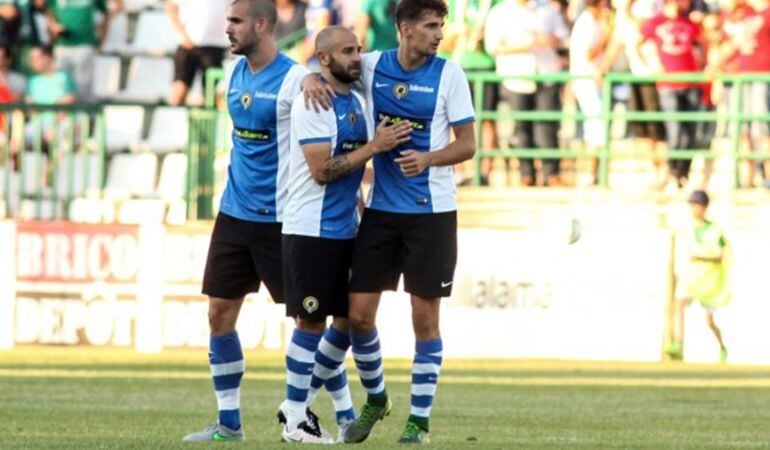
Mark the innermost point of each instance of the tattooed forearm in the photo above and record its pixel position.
(336, 168)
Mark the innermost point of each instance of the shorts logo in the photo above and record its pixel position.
(310, 304)
(401, 90)
(246, 100)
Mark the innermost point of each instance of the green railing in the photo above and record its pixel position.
(735, 117)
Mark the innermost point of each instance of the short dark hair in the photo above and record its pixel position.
(262, 9)
(413, 10)
(45, 49)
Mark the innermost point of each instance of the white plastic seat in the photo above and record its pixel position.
(177, 213)
(139, 211)
(46, 210)
(172, 181)
(131, 174)
(149, 80)
(154, 34)
(116, 39)
(123, 127)
(168, 130)
(106, 76)
(77, 174)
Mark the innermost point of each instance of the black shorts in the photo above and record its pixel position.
(241, 255)
(316, 273)
(422, 247)
(188, 62)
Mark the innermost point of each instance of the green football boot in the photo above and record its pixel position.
(216, 432)
(359, 430)
(413, 434)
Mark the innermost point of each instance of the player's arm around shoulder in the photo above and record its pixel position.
(327, 168)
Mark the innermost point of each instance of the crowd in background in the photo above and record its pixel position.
(47, 49)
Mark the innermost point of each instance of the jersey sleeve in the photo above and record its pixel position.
(458, 104)
(311, 127)
(229, 74)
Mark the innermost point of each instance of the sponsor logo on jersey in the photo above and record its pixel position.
(252, 135)
(265, 95)
(349, 146)
(393, 119)
(423, 89)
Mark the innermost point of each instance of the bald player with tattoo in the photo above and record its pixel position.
(328, 152)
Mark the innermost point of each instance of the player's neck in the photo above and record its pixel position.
(337, 85)
(410, 59)
(262, 56)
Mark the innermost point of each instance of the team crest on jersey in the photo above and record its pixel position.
(310, 304)
(246, 100)
(401, 90)
(353, 118)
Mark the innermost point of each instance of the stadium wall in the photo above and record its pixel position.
(518, 293)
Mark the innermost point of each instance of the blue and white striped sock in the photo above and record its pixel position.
(368, 357)
(227, 367)
(329, 370)
(425, 372)
(300, 359)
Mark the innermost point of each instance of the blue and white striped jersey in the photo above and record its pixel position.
(260, 106)
(434, 97)
(328, 211)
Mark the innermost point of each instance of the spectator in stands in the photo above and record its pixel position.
(749, 42)
(463, 43)
(524, 37)
(376, 25)
(590, 36)
(14, 82)
(291, 18)
(29, 34)
(320, 14)
(680, 45)
(9, 22)
(76, 37)
(49, 86)
(626, 35)
(200, 28)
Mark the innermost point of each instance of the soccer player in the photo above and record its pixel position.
(245, 245)
(326, 164)
(409, 226)
(706, 276)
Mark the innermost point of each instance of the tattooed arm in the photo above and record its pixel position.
(327, 169)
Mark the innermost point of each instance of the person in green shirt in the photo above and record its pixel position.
(705, 276)
(376, 25)
(76, 37)
(50, 86)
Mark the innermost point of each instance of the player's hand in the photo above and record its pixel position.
(413, 162)
(187, 43)
(317, 93)
(387, 137)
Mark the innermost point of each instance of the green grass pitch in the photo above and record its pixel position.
(113, 398)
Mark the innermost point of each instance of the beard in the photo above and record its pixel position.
(344, 74)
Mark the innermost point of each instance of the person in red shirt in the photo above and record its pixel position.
(749, 43)
(679, 43)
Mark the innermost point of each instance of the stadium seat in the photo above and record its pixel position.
(172, 181)
(123, 127)
(131, 175)
(177, 213)
(149, 80)
(168, 130)
(87, 210)
(46, 209)
(116, 39)
(107, 76)
(139, 211)
(77, 174)
(154, 34)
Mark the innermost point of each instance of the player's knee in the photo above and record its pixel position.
(221, 317)
(361, 321)
(310, 326)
